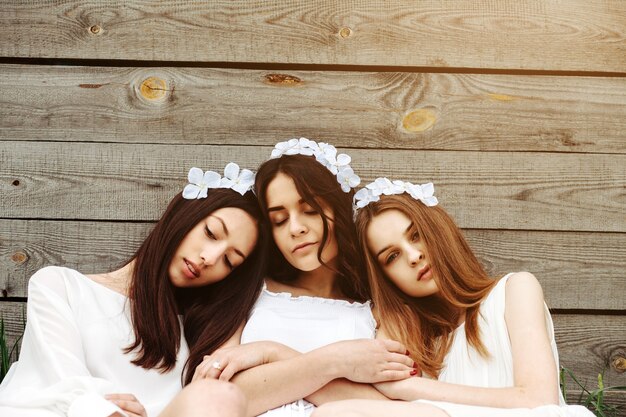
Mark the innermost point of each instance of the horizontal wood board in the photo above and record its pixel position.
(576, 35)
(493, 190)
(477, 112)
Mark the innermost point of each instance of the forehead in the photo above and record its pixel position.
(280, 190)
(386, 228)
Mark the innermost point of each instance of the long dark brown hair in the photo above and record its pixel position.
(425, 325)
(316, 185)
(211, 314)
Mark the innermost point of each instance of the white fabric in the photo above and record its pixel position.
(306, 323)
(72, 353)
(464, 365)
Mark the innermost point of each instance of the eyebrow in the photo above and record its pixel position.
(237, 251)
(279, 208)
(387, 247)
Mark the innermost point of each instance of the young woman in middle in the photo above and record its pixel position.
(315, 298)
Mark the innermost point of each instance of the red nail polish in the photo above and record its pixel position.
(414, 372)
(407, 353)
(414, 365)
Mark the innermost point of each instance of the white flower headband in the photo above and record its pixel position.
(380, 186)
(200, 182)
(325, 154)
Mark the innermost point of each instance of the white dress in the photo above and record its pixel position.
(464, 365)
(306, 323)
(72, 353)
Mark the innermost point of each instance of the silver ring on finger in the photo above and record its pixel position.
(216, 365)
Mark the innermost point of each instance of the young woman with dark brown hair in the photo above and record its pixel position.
(119, 342)
(485, 345)
(315, 298)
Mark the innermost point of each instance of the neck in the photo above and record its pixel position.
(321, 282)
(120, 279)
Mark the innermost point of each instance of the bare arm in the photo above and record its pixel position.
(530, 344)
(281, 375)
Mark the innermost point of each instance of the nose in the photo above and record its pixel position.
(414, 255)
(211, 253)
(296, 226)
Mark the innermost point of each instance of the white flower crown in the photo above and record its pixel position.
(200, 182)
(372, 192)
(325, 154)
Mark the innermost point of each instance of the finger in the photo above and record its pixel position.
(391, 375)
(120, 396)
(216, 368)
(400, 358)
(130, 406)
(231, 369)
(394, 346)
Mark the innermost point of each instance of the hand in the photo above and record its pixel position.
(224, 363)
(372, 360)
(128, 403)
(405, 389)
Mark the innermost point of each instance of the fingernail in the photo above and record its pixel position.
(414, 372)
(414, 365)
(407, 353)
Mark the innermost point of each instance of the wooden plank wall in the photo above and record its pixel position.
(515, 110)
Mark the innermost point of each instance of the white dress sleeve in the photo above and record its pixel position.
(51, 374)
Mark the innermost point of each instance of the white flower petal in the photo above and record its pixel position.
(226, 183)
(231, 170)
(246, 176)
(191, 191)
(203, 192)
(431, 201)
(211, 179)
(195, 175)
(241, 188)
(343, 159)
(428, 189)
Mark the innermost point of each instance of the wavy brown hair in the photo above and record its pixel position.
(317, 185)
(425, 325)
(211, 314)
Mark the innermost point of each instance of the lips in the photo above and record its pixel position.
(302, 245)
(192, 267)
(425, 269)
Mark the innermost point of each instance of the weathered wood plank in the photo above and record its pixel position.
(389, 110)
(585, 35)
(590, 343)
(578, 271)
(483, 190)
(14, 315)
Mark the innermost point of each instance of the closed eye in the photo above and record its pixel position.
(228, 263)
(391, 257)
(209, 233)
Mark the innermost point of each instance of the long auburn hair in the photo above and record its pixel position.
(316, 183)
(212, 313)
(426, 325)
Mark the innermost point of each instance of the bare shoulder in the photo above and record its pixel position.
(523, 287)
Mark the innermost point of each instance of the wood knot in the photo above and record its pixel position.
(501, 97)
(282, 79)
(619, 364)
(19, 257)
(345, 32)
(419, 120)
(153, 88)
(16, 183)
(95, 29)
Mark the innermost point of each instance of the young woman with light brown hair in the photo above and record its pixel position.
(485, 345)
